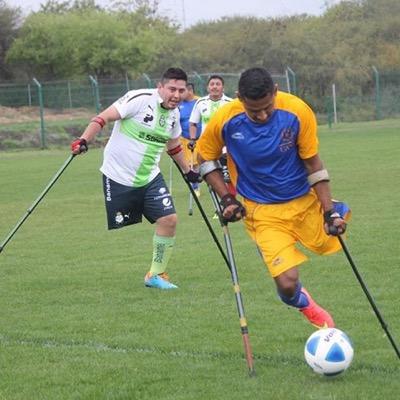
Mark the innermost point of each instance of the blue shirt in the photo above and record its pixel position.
(185, 109)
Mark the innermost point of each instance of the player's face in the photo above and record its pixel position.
(172, 92)
(215, 88)
(260, 110)
(188, 95)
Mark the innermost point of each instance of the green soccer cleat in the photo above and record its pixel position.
(160, 281)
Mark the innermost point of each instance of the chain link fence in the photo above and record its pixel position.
(375, 96)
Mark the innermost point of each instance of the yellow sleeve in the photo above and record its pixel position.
(308, 139)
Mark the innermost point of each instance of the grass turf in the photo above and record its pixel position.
(76, 321)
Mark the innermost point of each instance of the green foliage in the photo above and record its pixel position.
(85, 40)
(9, 20)
(71, 39)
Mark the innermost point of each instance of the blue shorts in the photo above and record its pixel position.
(126, 205)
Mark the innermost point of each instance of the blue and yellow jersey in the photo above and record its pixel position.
(265, 160)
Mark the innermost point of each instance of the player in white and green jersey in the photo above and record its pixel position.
(146, 121)
(206, 106)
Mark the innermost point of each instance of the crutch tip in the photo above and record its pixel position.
(252, 373)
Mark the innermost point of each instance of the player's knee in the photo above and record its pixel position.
(168, 222)
(286, 285)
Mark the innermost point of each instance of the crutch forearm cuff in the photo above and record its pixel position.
(209, 166)
(318, 176)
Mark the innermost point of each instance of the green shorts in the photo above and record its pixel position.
(126, 205)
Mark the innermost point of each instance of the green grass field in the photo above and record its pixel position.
(76, 321)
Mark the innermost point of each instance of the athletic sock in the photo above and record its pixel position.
(162, 251)
(299, 300)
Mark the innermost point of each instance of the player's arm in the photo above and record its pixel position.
(174, 150)
(194, 120)
(209, 152)
(318, 178)
(95, 125)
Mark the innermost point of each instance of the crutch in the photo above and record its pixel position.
(190, 212)
(235, 281)
(232, 268)
(36, 202)
(369, 297)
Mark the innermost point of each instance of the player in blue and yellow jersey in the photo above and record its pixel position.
(185, 109)
(272, 145)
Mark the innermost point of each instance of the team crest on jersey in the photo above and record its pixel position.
(119, 218)
(162, 121)
(287, 140)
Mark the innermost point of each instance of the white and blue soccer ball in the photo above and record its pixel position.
(329, 351)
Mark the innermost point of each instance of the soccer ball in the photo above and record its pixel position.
(328, 351)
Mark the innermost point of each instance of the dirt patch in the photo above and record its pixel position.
(11, 115)
(20, 127)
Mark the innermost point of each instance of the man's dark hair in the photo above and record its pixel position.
(190, 85)
(174, 73)
(255, 83)
(216, 77)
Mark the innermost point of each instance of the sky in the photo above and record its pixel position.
(189, 12)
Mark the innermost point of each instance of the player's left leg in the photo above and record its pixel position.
(163, 244)
(159, 208)
(277, 244)
(292, 293)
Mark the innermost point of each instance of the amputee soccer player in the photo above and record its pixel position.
(185, 109)
(147, 121)
(272, 145)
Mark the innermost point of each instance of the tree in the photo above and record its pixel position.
(10, 18)
(90, 41)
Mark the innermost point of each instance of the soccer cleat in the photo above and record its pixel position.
(197, 192)
(160, 281)
(318, 317)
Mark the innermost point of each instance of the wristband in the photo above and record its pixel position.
(175, 150)
(98, 120)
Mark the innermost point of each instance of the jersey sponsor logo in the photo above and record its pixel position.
(166, 202)
(151, 138)
(160, 247)
(148, 117)
(108, 190)
(238, 135)
(287, 140)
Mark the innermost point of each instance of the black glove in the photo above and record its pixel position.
(193, 176)
(229, 200)
(79, 146)
(192, 144)
(329, 218)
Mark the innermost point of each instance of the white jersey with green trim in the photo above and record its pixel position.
(132, 155)
(205, 108)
